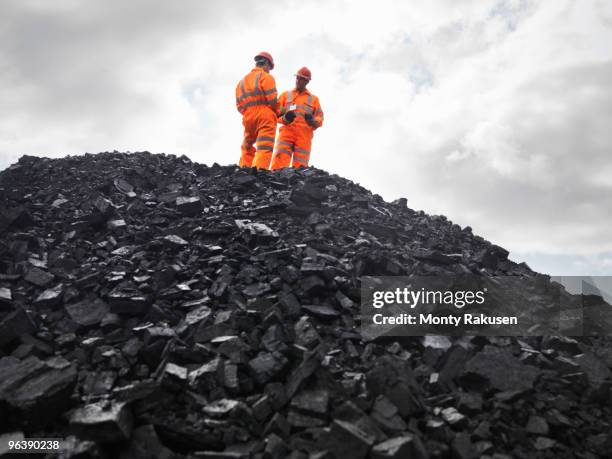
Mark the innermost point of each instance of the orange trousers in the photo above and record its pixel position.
(259, 129)
(293, 147)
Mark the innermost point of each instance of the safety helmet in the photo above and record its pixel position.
(267, 56)
(304, 73)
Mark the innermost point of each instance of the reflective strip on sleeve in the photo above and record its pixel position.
(265, 138)
(301, 150)
(282, 142)
(270, 92)
(265, 147)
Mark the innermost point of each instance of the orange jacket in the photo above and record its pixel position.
(257, 89)
(301, 103)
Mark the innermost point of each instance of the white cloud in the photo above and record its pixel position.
(494, 113)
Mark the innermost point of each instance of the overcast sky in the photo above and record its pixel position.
(497, 114)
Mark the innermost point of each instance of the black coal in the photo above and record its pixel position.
(152, 307)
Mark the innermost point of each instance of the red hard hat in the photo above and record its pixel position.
(304, 73)
(267, 56)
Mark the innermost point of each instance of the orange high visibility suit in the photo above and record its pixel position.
(257, 102)
(295, 139)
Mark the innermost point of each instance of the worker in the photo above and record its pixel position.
(300, 114)
(256, 100)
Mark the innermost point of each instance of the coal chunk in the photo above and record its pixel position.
(145, 443)
(39, 277)
(6, 296)
(323, 312)
(463, 448)
(393, 378)
(189, 205)
(499, 368)
(88, 312)
(386, 415)
(406, 446)
(537, 425)
(306, 334)
(208, 376)
(105, 422)
(175, 242)
(51, 297)
(128, 301)
(256, 233)
(14, 324)
(267, 365)
(309, 408)
(345, 439)
(34, 392)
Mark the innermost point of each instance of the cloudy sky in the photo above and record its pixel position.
(497, 114)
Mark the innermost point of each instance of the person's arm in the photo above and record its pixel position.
(268, 87)
(317, 115)
(282, 102)
(238, 94)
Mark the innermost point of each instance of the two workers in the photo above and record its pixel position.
(298, 111)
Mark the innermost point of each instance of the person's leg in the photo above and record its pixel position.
(247, 150)
(301, 152)
(265, 140)
(284, 148)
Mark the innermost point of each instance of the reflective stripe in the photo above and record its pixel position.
(265, 147)
(287, 102)
(267, 92)
(282, 142)
(252, 103)
(301, 150)
(258, 102)
(256, 88)
(305, 108)
(309, 103)
(283, 151)
(264, 138)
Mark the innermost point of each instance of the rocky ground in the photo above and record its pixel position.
(151, 307)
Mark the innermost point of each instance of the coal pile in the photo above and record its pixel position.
(152, 307)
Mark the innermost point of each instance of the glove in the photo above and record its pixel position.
(289, 117)
(309, 119)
